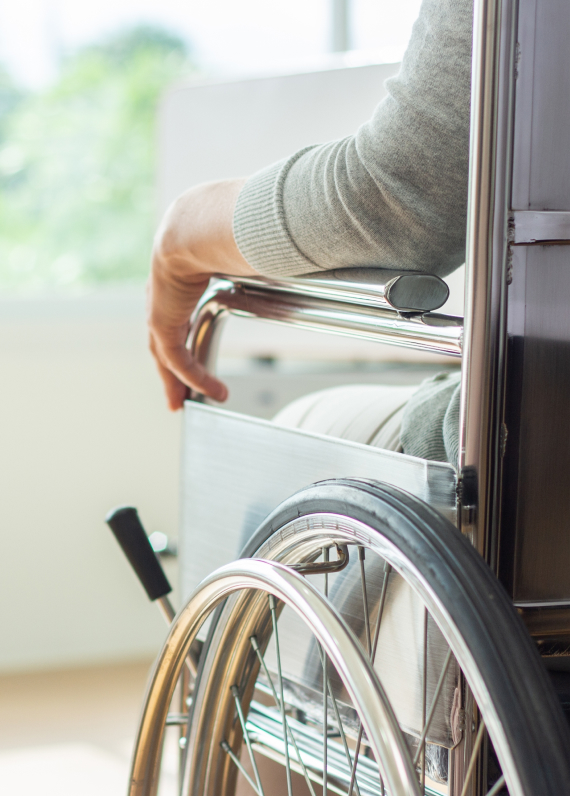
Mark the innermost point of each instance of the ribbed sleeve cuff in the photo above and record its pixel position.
(260, 227)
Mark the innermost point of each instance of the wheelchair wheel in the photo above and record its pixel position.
(254, 587)
(463, 678)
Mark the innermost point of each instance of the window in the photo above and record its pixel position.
(79, 86)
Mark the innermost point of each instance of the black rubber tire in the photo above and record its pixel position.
(505, 655)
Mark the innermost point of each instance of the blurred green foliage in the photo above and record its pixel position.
(77, 164)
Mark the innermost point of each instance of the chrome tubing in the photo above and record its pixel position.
(308, 309)
(484, 345)
(408, 291)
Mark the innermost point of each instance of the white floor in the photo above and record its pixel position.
(69, 733)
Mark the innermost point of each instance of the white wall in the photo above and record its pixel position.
(214, 131)
(83, 427)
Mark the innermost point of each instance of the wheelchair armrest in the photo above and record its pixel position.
(357, 309)
(409, 291)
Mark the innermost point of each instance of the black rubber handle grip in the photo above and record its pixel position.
(130, 534)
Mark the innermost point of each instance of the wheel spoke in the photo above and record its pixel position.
(185, 710)
(235, 694)
(325, 719)
(424, 700)
(177, 720)
(433, 705)
(282, 698)
(183, 741)
(255, 646)
(227, 748)
(355, 761)
(473, 758)
(497, 786)
(325, 694)
(361, 557)
(341, 729)
(387, 570)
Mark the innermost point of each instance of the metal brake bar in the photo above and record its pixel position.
(319, 568)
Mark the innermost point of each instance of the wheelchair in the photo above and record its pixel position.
(359, 621)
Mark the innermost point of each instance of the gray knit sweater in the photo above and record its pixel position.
(394, 194)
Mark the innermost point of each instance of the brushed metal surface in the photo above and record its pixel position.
(536, 523)
(546, 621)
(532, 226)
(237, 469)
(541, 179)
(534, 539)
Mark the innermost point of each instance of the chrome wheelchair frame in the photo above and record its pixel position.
(507, 498)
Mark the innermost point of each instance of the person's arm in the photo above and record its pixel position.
(194, 241)
(394, 194)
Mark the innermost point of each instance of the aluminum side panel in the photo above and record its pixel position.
(237, 469)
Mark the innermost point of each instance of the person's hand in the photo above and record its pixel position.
(194, 241)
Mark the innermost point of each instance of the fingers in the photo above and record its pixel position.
(194, 241)
(175, 389)
(170, 303)
(179, 370)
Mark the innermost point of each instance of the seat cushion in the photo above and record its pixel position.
(366, 413)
